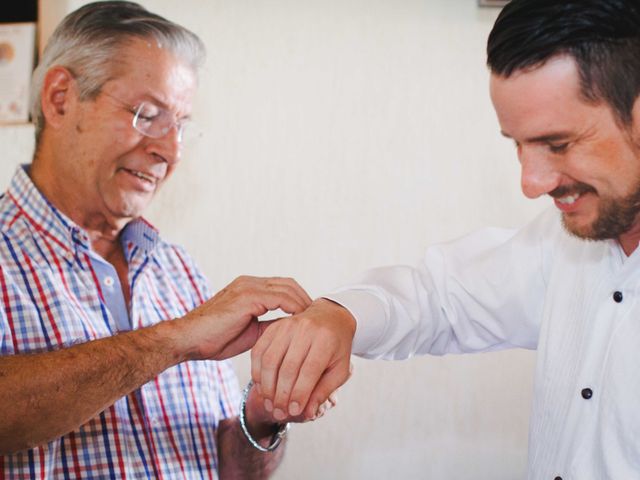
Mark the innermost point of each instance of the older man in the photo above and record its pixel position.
(107, 338)
(565, 83)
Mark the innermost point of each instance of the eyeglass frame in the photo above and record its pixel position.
(136, 111)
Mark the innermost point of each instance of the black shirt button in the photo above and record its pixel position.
(617, 297)
(558, 478)
(586, 393)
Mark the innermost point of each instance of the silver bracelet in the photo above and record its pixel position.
(277, 437)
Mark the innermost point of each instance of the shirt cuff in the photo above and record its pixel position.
(370, 314)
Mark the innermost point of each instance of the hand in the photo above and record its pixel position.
(260, 421)
(227, 325)
(300, 360)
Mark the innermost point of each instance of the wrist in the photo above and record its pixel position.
(340, 313)
(259, 422)
(257, 425)
(173, 339)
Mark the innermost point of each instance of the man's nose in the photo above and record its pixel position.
(169, 146)
(539, 174)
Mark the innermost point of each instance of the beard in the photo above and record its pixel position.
(615, 216)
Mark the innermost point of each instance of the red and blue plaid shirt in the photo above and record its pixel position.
(57, 292)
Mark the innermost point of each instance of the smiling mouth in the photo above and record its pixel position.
(569, 199)
(143, 176)
(569, 194)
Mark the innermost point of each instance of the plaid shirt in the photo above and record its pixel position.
(57, 292)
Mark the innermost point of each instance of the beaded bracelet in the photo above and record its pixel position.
(277, 437)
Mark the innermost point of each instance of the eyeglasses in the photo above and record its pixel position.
(155, 122)
(152, 120)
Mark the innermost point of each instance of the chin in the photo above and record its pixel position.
(580, 228)
(128, 209)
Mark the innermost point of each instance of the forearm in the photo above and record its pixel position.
(44, 396)
(238, 459)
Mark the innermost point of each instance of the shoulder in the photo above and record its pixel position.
(16, 234)
(9, 214)
(175, 255)
(546, 228)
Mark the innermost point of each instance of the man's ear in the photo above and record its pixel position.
(59, 94)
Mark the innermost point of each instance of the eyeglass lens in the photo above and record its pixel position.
(155, 122)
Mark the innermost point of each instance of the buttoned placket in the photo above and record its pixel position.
(615, 308)
(108, 282)
(111, 292)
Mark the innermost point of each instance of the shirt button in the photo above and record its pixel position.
(586, 393)
(108, 281)
(617, 297)
(558, 478)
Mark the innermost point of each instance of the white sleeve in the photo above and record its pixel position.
(483, 292)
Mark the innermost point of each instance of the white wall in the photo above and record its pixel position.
(340, 135)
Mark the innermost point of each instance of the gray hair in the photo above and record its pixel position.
(87, 43)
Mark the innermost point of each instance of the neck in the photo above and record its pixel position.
(630, 239)
(104, 238)
(629, 243)
(107, 246)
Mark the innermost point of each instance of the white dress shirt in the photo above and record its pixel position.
(574, 301)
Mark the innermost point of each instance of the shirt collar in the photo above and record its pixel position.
(139, 233)
(60, 228)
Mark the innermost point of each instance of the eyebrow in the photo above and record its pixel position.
(548, 138)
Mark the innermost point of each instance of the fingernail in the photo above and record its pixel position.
(294, 409)
(278, 414)
(268, 405)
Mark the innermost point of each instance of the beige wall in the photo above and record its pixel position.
(340, 135)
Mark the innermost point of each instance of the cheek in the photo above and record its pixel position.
(622, 160)
(607, 159)
(117, 135)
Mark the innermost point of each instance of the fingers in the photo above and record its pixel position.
(290, 288)
(295, 354)
(296, 376)
(270, 293)
(257, 353)
(274, 366)
(266, 359)
(275, 362)
(327, 405)
(299, 361)
(308, 371)
(255, 412)
(271, 365)
(223, 325)
(330, 381)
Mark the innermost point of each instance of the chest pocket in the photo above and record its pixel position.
(48, 310)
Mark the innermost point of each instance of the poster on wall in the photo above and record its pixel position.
(17, 51)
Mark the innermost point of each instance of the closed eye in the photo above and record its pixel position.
(558, 147)
(147, 111)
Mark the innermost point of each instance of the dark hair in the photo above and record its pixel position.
(602, 36)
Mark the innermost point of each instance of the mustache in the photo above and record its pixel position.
(575, 189)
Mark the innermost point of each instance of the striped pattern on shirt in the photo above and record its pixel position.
(53, 297)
